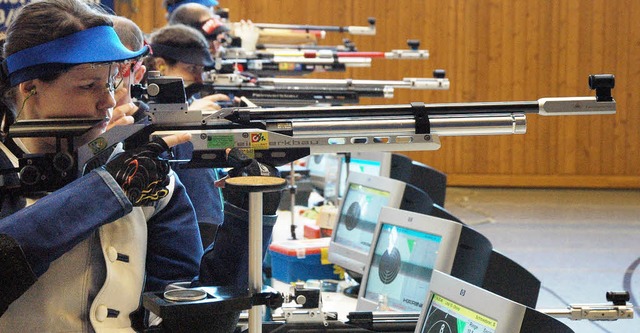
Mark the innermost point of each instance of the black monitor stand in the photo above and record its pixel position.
(353, 291)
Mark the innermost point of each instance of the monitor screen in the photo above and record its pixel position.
(358, 215)
(455, 306)
(370, 163)
(406, 248)
(401, 267)
(371, 167)
(447, 316)
(325, 174)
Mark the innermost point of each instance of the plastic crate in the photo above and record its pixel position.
(301, 260)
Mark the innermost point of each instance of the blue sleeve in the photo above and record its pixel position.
(174, 247)
(59, 221)
(226, 260)
(199, 182)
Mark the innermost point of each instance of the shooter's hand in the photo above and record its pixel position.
(248, 32)
(141, 173)
(123, 113)
(245, 166)
(208, 102)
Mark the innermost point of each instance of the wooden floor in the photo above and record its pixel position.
(579, 243)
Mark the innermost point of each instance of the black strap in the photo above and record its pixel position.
(421, 115)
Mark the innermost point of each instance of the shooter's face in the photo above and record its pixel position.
(84, 91)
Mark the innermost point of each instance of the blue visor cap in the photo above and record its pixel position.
(208, 3)
(188, 55)
(94, 45)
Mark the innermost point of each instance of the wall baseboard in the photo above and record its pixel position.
(534, 181)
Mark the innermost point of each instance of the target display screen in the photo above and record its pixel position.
(446, 316)
(369, 167)
(401, 267)
(359, 215)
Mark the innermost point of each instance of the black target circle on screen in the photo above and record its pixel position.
(439, 327)
(389, 266)
(353, 216)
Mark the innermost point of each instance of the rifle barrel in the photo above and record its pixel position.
(497, 124)
(363, 111)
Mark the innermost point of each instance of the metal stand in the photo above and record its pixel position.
(255, 186)
(292, 194)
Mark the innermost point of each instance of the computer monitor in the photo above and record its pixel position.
(456, 306)
(325, 174)
(371, 163)
(407, 247)
(357, 217)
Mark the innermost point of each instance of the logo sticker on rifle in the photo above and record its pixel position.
(260, 140)
(98, 145)
(220, 141)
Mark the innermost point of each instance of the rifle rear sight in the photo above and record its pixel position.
(160, 89)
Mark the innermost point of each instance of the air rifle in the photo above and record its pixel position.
(253, 34)
(299, 61)
(324, 56)
(619, 308)
(355, 61)
(354, 30)
(268, 67)
(271, 92)
(223, 13)
(412, 53)
(347, 46)
(438, 82)
(281, 135)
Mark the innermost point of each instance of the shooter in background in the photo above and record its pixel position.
(204, 20)
(171, 5)
(179, 50)
(182, 51)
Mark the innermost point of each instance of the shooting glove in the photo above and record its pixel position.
(141, 173)
(245, 166)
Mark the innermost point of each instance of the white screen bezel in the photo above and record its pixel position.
(448, 230)
(507, 313)
(348, 257)
(385, 166)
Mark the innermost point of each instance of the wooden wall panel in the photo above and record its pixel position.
(148, 14)
(496, 50)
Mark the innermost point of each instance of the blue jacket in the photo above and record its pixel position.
(199, 182)
(64, 218)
